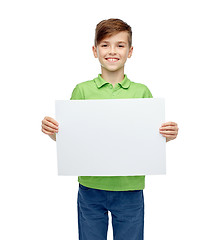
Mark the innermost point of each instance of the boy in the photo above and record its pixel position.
(121, 195)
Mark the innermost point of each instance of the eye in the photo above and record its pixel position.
(104, 45)
(121, 46)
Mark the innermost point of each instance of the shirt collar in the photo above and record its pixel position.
(125, 83)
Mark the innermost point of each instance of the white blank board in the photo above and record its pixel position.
(110, 137)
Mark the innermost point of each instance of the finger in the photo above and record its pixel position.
(172, 128)
(169, 124)
(46, 132)
(49, 124)
(49, 129)
(168, 132)
(49, 119)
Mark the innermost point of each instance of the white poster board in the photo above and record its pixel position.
(110, 137)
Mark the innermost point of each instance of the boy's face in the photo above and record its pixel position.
(113, 51)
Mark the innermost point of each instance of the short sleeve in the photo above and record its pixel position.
(147, 93)
(76, 93)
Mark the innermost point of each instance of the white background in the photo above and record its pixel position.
(45, 50)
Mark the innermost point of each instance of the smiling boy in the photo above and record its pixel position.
(112, 52)
(121, 195)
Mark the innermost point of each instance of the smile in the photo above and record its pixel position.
(112, 59)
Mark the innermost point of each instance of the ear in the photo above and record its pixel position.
(94, 51)
(130, 52)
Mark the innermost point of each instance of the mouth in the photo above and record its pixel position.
(112, 59)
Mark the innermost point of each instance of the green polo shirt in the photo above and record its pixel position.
(98, 88)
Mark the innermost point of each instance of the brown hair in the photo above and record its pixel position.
(107, 28)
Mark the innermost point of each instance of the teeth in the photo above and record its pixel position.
(112, 59)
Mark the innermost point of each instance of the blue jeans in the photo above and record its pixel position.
(127, 212)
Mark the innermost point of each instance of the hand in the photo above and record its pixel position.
(49, 126)
(169, 130)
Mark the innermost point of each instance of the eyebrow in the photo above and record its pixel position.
(122, 42)
(103, 41)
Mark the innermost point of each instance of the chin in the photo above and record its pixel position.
(112, 69)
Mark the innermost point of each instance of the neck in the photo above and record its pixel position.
(112, 77)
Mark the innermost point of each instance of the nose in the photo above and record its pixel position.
(112, 50)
